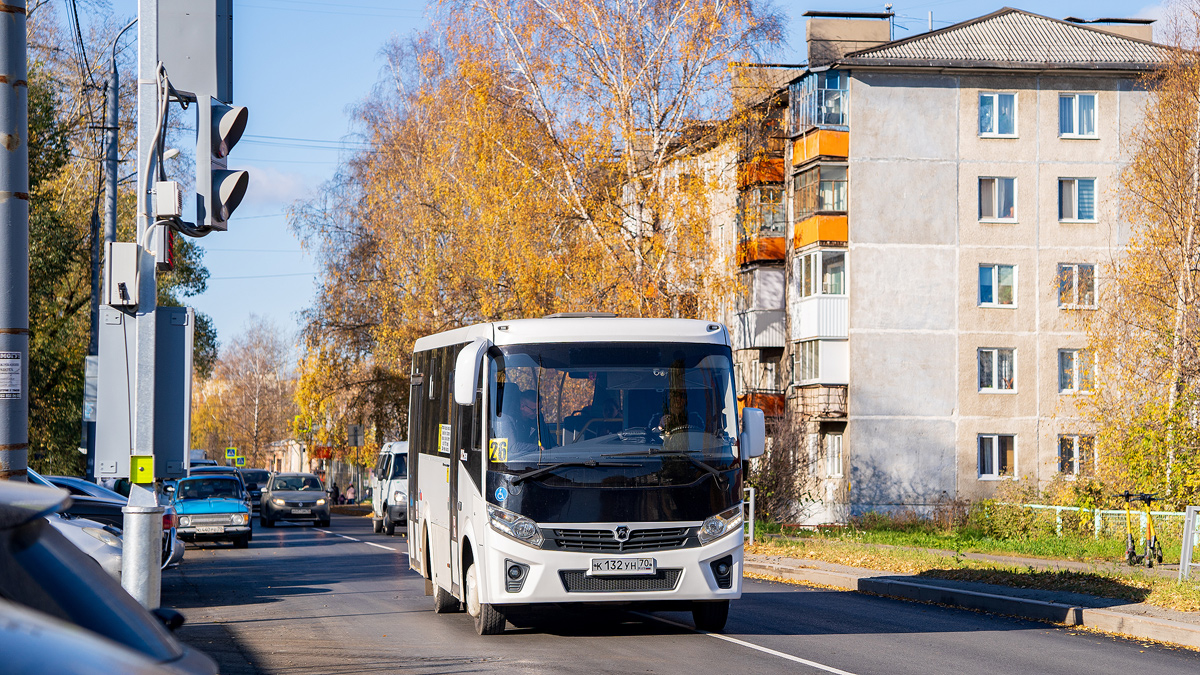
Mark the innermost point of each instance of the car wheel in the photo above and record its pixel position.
(710, 616)
(323, 523)
(242, 542)
(264, 521)
(389, 525)
(488, 619)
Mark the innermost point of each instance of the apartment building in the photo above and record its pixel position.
(919, 241)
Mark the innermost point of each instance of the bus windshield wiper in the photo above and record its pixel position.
(704, 466)
(541, 470)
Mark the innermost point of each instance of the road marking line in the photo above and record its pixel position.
(389, 548)
(751, 645)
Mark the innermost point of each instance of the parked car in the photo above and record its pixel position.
(255, 479)
(294, 497)
(96, 502)
(389, 488)
(62, 612)
(213, 508)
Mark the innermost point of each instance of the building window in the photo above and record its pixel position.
(997, 114)
(1076, 455)
(1077, 115)
(819, 273)
(1076, 285)
(1075, 370)
(1077, 199)
(820, 99)
(762, 212)
(821, 189)
(997, 198)
(997, 285)
(833, 455)
(997, 456)
(997, 369)
(807, 366)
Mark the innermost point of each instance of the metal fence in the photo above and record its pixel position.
(1191, 532)
(1111, 522)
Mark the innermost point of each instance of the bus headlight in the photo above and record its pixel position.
(514, 526)
(721, 524)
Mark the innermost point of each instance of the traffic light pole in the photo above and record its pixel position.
(141, 572)
(14, 244)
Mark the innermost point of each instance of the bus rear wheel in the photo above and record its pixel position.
(710, 616)
(488, 620)
(443, 602)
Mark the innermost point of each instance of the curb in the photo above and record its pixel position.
(1106, 620)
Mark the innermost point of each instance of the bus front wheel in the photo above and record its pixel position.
(710, 616)
(488, 620)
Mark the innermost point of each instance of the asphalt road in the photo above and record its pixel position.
(342, 600)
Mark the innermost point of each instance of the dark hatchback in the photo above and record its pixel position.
(41, 571)
(255, 480)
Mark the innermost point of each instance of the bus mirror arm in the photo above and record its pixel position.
(753, 441)
(466, 370)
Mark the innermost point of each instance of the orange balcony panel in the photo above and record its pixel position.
(821, 228)
(761, 248)
(822, 142)
(770, 404)
(760, 171)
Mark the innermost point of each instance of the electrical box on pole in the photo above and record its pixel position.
(195, 43)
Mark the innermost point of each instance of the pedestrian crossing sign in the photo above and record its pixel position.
(230, 453)
(239, 461)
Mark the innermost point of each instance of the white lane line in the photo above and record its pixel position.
(388, 548)
(751, 645)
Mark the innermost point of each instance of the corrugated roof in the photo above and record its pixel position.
(1015, 38)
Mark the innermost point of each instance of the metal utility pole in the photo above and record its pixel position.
(141, 562)
(14, 243)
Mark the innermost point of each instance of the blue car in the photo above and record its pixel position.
(213, 508)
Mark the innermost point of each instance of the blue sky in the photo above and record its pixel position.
(301, 65)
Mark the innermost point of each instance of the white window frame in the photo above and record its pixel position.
(993, 354)
(1075, 116)
(807, 351)
(995, 200)
(1077, 355)
(833, 456)
(808, 273)
(995, 457)
(995, 272)
(1075, 196)
(1077, 445)
(995, 96)
(1073, 269)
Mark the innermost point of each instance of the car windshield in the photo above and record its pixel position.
(204, 488)
(656, 409)
(399, 466)
(259, 477)
(298, 483)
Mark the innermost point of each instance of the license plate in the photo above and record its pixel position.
(210, 529)
(301, 511)
(623, 566)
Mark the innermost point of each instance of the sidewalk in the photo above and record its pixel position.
(1138, 620)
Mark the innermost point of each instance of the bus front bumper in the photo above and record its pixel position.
(562, 576)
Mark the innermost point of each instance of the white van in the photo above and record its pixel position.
(389, 488)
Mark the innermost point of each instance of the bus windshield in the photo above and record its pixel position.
(614, 414)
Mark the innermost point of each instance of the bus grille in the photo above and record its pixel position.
(600, 541)
(577, 581)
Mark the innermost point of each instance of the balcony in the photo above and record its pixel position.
(770, 402)
(760, 171)
(820, 317)
(820, 143)
(822, 228)
(759, 329)
(768, 246)
(823, 402)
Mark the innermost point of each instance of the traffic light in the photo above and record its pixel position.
(219, 190)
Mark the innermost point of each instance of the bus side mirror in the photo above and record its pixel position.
(466, 370)
(753, 441)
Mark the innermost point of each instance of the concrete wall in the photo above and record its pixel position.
(916, 244)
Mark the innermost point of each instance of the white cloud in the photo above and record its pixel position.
(272, 189)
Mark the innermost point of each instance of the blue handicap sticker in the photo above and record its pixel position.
(501, 494)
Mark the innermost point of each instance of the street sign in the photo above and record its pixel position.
(239, 461)
(354, 435)
(230, 453)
